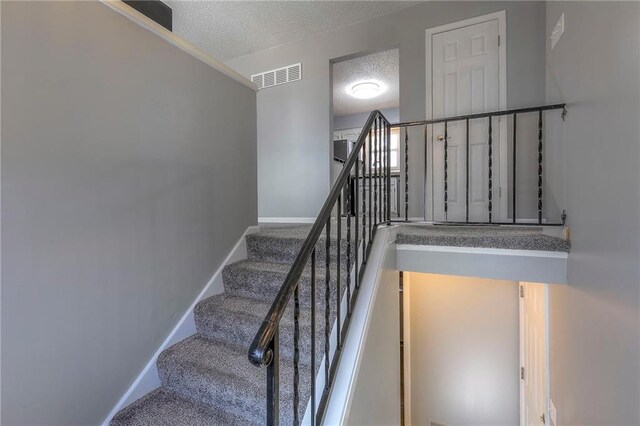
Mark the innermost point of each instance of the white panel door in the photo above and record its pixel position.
(534, 360)
(465, 80)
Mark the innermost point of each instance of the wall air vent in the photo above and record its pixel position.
(278, 76)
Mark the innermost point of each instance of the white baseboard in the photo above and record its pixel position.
(399, 219)
(286, 219)
(148, 378)
(532, 220)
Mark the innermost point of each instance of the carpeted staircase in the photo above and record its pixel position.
(207, 378)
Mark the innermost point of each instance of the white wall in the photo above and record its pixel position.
(376, 393)
(294, 119)
(128, 174)
(464, 350)
(595, 319)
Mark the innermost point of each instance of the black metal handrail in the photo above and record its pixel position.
(480, 115)
(263, 351)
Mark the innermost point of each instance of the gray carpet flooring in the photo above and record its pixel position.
(207, 378)
(515, 238)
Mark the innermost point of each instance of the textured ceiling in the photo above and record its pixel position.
(228, 29)
(381, 66)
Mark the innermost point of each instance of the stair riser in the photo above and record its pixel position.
(265, 285)
(267, 248)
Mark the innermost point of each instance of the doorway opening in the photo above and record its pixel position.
(473, 350)
(534, 354)
(361, 84)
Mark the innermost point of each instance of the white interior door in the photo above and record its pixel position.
(465, 80)
(534, 354)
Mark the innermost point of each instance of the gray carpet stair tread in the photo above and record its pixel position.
(514, 238)
(236, 320)
(282, 244)
(165, 408)
(300, 231)
(262, 280)
(260, 267)
(217, 375)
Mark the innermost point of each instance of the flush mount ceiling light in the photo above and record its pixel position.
(366, 89)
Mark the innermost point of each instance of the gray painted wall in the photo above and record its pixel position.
(595, 330)
(294, 119)
(128, 174)
(464, 350)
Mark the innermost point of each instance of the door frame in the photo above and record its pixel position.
(503, 192)
(521, 336)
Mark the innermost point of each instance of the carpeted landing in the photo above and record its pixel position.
(501, 237)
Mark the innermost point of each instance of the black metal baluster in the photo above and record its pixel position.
(406, 174)
(467, 181)
(369, 183)
(364, 201)
(490, 170)
(383, 175)
(540, 167)
(327, 305)
(376, 168)
(380, 170)
(446, 169)
(425, 180)
(273, 385)
(383, 172)
(376, 211)
(388, 174)
(349, 203)
(313, 337)
(513, 184)
(296, 354)
(338, 264)
(356, 212)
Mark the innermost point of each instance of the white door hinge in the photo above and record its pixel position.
(521, 291)
(522, 373)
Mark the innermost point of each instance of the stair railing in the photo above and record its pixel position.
(492, 190)
(364, 182)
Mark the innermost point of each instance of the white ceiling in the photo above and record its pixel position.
(383, 66)
(228, 29)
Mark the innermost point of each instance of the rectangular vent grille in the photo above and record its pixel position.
(278, 76)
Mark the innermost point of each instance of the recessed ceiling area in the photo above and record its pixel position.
(381, 69)
(228, 29)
